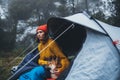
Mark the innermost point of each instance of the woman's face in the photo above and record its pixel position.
(40, 35)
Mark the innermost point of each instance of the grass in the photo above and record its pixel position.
(6, 65)
(8, 60)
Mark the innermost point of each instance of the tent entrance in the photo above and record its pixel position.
(72, 40)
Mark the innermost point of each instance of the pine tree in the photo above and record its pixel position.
(117, 12)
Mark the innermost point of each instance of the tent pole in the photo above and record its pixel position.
(90, 17)
(107, 34)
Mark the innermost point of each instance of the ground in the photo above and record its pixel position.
(6, 65)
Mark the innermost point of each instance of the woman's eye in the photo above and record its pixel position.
(39, 32)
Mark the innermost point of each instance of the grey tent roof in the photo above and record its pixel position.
(84, 20)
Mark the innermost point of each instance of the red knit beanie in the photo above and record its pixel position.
(43, 28)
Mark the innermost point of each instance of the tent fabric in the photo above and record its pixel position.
(113, 31)
(83, 20)
(97, 60)
(87, 22)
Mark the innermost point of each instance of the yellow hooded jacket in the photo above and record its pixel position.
(48, 49)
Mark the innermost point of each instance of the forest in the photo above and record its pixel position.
(18, 18)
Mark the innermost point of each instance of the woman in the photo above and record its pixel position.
(50, 57)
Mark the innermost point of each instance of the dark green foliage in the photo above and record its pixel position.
(7, 38)
(99, 16)
(117, 12)
(0, 1)
(21, 9)
(1, 38)
(44, 10)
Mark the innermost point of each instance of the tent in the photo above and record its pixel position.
(92, 43)
(92, 46)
